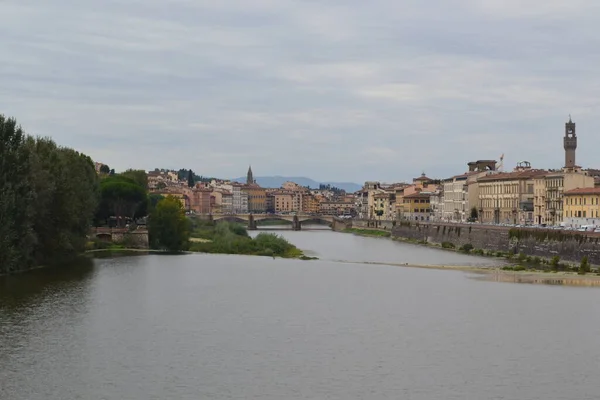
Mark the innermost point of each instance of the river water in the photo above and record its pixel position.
(235, 327)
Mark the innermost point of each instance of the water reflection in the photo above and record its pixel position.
(33, 287)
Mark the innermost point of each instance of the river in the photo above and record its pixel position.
(236, 327)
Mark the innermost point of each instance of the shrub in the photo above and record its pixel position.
(448, 245)
(536, 260)
(554, 262)
(479, 252)
(584, 266)
(522, 257)
(466, 247)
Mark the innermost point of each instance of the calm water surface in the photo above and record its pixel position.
(234, 327)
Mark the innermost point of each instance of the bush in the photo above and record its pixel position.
(584, 266)
(522, 257)
(448, 245)
(554, 262)
(466, 247)
(536, 260)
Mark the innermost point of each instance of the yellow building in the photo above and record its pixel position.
(283, 202)
(582, 207)
(417, 206)
(310, 204)
(549, 189)
(508, 197)
(257, 198)
(384, 206)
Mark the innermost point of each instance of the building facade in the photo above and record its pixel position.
(257, 198)
(508, 198)
(455, 199)
(582, 207)
(417, 206)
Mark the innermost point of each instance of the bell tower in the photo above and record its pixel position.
(249, 177)
(570, 144)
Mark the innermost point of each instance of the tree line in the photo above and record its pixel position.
(50, 197)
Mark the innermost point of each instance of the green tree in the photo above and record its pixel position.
(168, 228)
(153, 199)
(105, 169)
(474, 214)
(47, 199)
(66, 187)
(16, 199)
(584, 267)
(139, 176)
(190, 179)
(122, 196)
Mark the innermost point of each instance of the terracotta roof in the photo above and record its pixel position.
(507, 176)
(588, 190)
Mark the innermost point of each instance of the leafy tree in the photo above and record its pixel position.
(169, 229)
(139, 176)
(153, 199)
(161, 185)
(105, 169)
(16, 199)
(122, 195)
(47, 199)
(584, 267)
(474, 214)
(190, 179)
(112, 172)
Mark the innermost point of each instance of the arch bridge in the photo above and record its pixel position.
(297, 220)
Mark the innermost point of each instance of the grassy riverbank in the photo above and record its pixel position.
(368, 232)
(229, 238)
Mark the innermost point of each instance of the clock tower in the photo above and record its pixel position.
(570, 144)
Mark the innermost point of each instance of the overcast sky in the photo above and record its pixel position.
(348, 90)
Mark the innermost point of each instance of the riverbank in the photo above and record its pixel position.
(496, 274)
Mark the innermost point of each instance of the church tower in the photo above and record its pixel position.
(570, 143)
(249, 177)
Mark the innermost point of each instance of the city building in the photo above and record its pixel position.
(508, 197)
(283, 202)
(417, 206)
(310, 204)
(549, 190)
(581, 207)
(455, 198)
(257, 198)
(336, 208)
(384, 206)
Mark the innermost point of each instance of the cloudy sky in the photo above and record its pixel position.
(348, 90)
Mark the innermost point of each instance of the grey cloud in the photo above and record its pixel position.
(334, 90)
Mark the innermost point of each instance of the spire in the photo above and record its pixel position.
(249, 177)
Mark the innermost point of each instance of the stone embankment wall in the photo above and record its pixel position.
(363, 223)
(137, 239)
(569, 246)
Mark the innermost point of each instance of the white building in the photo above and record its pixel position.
(455, 199)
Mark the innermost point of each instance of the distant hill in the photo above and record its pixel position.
(277, 181)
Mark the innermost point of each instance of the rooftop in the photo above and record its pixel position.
(588, 190)
(515, 175)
